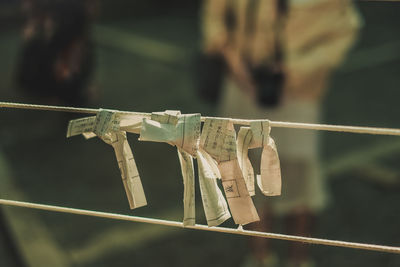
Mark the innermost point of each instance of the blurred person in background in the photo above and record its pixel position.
(272, 59)
(56, 60)
(54, 66)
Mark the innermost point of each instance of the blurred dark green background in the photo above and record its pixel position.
(144, 62)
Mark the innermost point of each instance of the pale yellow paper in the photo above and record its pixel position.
(218, 139)
(130, 123)
(189, 210)
(106, 126)
(80, 126)
(106, 121)
(89, 135)
(269, 181)
(127, 165)
(212, 166)
(215, 206)
(182, 131)
(245, 136)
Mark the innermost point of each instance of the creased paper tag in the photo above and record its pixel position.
(244, 138)
(215, 206)
(269, 181)
(189, 209)
(127, 165)
(106, 121)
(182, 131)
(106, 126)
(218, 139)
(80, 126)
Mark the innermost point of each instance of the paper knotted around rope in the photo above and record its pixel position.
(106, 125)
(218, 139)
(182, 131)
(214, 203)
(257, 135)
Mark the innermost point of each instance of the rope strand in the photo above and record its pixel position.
(114, 216)
(277, 124)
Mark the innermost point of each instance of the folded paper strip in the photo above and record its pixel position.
(219, 156)
(218, 139)
(257, 135)
(106, 125)
(183, 131)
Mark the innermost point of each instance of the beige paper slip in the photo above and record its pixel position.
(257, 135)
(182, 131)
(106, 126)
(219, 140)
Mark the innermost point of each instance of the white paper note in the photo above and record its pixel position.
(182, 131)
(269, 181)
(106, 122)
(80, 126)
(127, 165)
(218, 139)
(186, 161)
(214, 203)
(245, 136)
(106, 126)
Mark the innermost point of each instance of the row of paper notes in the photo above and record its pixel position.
(219, 152)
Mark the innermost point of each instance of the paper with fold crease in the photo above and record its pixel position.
(215, 206)
(81, 126)
(189, 209)
(182, 131)
(106, 121)
(218, 139)
(258, 135)
(127, 165)
(106, 125)
(244, 138)
(86, 126)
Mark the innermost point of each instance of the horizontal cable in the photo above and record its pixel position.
(114, 216)
(277, 124)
